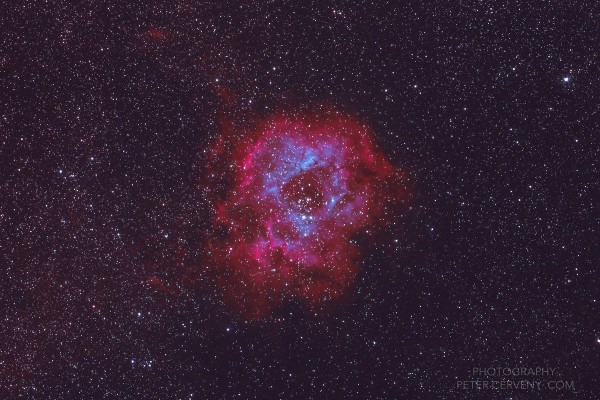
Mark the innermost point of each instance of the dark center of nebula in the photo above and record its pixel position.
(304, 192)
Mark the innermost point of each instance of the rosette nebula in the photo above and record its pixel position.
(301, 189)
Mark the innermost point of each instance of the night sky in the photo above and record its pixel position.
(459, 139)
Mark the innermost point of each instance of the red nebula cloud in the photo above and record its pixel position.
(299, 189)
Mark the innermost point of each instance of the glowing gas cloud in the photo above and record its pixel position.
(301, 187)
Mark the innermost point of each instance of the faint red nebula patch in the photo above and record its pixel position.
(299, 189)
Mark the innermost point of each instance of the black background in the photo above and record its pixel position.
(107, 108)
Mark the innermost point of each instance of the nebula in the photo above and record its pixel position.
(301, 188)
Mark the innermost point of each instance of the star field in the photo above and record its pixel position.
(124, 128)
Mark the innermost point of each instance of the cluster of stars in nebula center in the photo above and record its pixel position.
(301, 188)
